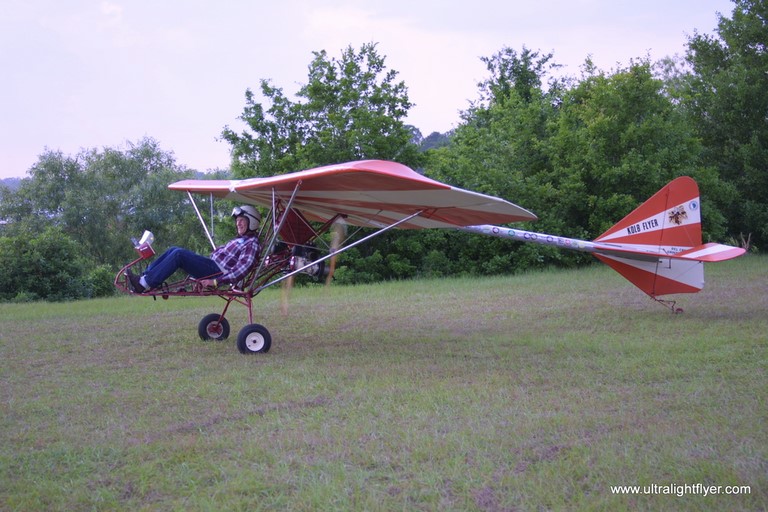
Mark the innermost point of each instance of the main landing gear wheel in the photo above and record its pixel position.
(213, 327)
(254, 338)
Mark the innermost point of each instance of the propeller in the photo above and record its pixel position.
(338, 233)
(284, 294)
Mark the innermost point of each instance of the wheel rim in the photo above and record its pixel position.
(214, 329)
(254, 341)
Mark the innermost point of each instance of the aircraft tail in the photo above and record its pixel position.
(658, 246)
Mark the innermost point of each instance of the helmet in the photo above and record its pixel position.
(250, 213)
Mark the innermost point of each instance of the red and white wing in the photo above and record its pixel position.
(371, 193)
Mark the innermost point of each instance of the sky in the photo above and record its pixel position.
(84, 74)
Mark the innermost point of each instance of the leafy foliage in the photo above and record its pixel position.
(726, 98)
(352, 109)
(101, 198)
(91, 204)
(47, 265)
(617, 140)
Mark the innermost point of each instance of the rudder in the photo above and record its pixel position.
(670, 221)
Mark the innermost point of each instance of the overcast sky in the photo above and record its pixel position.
(99, 73)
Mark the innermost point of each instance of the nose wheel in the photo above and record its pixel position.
(213, 327)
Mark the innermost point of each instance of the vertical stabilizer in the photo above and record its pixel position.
(670, 221)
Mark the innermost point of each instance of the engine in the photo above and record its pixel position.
(303, 255)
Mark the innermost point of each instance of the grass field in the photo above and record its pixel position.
(532, 392)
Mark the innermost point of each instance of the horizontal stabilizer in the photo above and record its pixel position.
(705, 252)
(711, 252)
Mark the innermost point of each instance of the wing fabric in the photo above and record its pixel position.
(370, 193)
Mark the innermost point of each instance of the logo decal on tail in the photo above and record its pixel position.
(678, 215)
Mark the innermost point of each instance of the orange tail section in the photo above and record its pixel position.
(648, 246)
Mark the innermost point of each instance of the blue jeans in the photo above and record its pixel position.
(178, 258)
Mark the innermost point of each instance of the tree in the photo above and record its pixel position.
(514, 75)
(435, 140)
(100, 199)
(581, 155)
(618, 139)
(353, 108)
(726, 98)
(48, 265)
(499, 141)
(501, 149)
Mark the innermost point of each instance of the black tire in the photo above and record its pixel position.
(213, 327)
(253, 339)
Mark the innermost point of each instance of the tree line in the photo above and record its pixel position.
(580, 152)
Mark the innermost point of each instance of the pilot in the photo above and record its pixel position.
(228, 263)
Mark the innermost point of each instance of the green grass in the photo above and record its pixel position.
(533, 392)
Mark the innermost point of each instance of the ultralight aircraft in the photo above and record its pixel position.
(658, 246)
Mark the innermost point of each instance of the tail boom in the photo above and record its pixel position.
(520, 235)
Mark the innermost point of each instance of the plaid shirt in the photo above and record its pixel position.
(236, 258)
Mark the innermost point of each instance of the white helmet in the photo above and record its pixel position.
(250, 213)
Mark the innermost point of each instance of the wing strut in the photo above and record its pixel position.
(276, 227)
(202, 222)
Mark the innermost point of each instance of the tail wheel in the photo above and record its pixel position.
(254, 338)
(213, 327)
